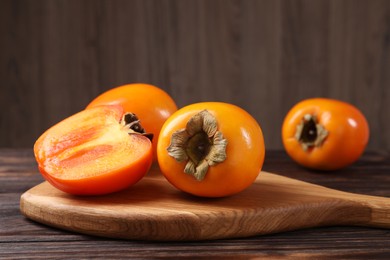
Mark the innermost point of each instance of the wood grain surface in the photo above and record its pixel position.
(57, 55)
(154, 210)
(21, 238)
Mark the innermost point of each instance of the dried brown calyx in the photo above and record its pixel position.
(310, 133)
(200, 144)
(133, 124)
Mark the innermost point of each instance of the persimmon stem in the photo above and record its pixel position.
(310, 133)
(200, 144)
(133, 125)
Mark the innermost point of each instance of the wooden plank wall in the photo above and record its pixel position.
(57, 55)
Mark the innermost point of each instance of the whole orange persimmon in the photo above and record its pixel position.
(325, 134)
(150, 104)
(211, 149)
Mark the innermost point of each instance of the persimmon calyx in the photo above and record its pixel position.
(133, 125)
(200, 144)
(309, 133)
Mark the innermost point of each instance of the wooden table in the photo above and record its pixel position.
(21, 238)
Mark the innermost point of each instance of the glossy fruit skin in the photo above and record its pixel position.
(90, 154)
(348, 134)
(151, 104)
(245, 151)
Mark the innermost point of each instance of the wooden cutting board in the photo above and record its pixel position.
(154, 210)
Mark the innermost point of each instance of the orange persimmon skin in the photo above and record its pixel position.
(90, 153)
(245, 151)
(348, 134)
(151, 104)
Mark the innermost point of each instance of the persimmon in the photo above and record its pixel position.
(211, 149)
(96, 151)
(150, 104)
(325, 134)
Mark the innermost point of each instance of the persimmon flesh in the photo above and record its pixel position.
(93, 152)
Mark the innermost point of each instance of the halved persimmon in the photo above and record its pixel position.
(96, 151)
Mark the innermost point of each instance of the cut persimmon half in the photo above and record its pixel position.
(96, 151)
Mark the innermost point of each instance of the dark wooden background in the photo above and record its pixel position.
(57, 55)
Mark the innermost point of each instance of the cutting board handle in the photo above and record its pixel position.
(379, 207)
